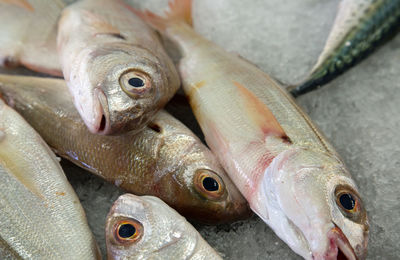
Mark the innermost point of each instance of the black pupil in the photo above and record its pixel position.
(210, 184)
(347, 201)
(126, 230)
(136, 82)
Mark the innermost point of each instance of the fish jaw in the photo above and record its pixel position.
(296, 198)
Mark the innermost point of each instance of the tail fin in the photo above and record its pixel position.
(180, 11)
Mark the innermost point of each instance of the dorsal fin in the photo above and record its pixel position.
(20, 3)
(101, 25)
(180, 11)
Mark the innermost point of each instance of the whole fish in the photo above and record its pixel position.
(290, 175)
(147, 228)
(165, 160)
(32, 46)
(114, 66)
(359, 27)
(40, 214)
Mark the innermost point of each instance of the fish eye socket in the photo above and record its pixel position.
(349, 203)
(127, 231)
(135, 83)
(209, 184)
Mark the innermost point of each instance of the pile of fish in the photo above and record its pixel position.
(106, 115)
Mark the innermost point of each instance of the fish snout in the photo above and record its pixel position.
(338, 247)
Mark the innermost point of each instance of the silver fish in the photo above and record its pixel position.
(114, 66)
(40, 214)
(147, 228)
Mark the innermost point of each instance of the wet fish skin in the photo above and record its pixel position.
(31, 46)
(41, 216)
(291, 176)
(360, 27)
(165, 160)
(102, 45)
(161, 233)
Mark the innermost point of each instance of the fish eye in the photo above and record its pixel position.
(209, 184)
(127, 231)
(349, 203)
(135, 83)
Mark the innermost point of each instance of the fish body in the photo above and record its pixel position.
(359, 27)
(290, 175)
(165, 160)
(114, 66)
(41, 216)
(31, 46)
(147, 228)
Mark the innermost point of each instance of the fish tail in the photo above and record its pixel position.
(180, 11)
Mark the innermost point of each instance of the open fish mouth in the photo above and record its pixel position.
(339, 247)
(102, 123)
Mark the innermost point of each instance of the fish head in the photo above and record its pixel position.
(145, 227)
(192, 179)
(128, 85)
(312, 203)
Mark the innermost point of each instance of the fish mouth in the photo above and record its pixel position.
(102, 124)
(339, 246)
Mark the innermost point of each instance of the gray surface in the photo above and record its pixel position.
(358, 112)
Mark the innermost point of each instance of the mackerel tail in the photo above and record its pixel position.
(380, 23)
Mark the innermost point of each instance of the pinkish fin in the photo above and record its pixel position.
(180, 11)
(101, 25)
(20, 3)
(260, 114)
(53, 71)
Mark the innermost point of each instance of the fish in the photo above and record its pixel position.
(165, 160)
(31, 46)
(291, 176)
(114, 65)
(359, 28)
(41, 216)
(145, 227)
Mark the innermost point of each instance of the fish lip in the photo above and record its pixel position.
(339, 246)
(102, 125)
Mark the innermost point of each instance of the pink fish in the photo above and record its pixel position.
(290, 175)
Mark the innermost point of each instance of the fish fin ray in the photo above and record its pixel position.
(100, 24)
(180, 11)
(20, 3)
(260, 113)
